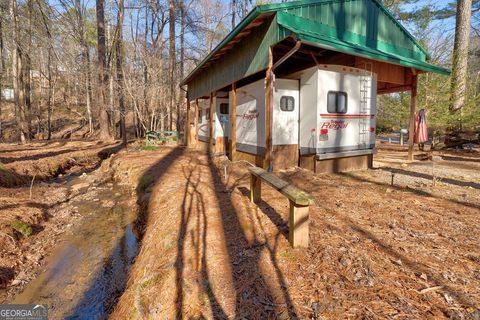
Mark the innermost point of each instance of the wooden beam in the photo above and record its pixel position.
(287, 55)
(413, 107)
(267, 164)
(298, 225)
(187, 129)
(210, 127)
(255, 189)
(389, 89)
(196, 122)
(233, 121)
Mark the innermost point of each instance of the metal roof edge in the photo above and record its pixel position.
(327, 42)
(405, 62)
(270, 7)
(275, 7)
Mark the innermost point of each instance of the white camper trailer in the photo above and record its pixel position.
(220, 121)
(250, 118)
(337, 111)
(327, 112)
(203, 120)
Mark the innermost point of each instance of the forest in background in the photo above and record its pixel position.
(104, 68)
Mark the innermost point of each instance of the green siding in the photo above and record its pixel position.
(247, 57)
(359, 27)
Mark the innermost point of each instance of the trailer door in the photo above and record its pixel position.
(286, 112)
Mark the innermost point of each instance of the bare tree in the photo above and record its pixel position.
(102, 70)
(120, 81)
(234, 11)
(172, 61)
(18, 80)
(460, 54)
(86, 60)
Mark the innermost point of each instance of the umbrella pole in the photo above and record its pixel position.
(413, 106)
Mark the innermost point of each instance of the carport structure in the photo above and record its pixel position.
(276, 40)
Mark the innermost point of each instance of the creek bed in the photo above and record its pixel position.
(87, 272)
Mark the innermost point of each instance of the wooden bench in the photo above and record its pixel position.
(300, 201)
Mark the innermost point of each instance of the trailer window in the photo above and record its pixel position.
(287, 103)
(337, 102)
(224, 108)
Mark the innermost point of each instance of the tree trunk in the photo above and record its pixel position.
(120, 84)
(145, 65)
(86, 64)
(102, 71)
(234, 9)
(27, 73)
(172, 61)
(244, 8)
(460, 54)
(18, 83)
(49, 99)
(182, 96)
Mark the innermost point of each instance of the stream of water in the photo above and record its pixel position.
(88, 270)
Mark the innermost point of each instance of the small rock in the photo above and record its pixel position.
(389, 190)
(79, 186)
(15, 282)
(422, 275)
(108, 203)
(397, 262)
(448, 298)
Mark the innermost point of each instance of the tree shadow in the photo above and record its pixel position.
(193, 203)
(408, 262)
(414, 266)
(430, 177)
(410, 190)
(254, 295)
(270, 212)
(39, 156)
(456, 158)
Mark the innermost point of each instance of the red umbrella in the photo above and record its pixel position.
(421, 129)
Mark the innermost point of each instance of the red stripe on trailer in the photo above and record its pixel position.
(342, 115)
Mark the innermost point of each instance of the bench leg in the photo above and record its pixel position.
(255, 189)
(298, 226)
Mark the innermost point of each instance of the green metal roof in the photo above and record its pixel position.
(358, 27)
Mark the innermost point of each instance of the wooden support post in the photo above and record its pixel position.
(298, 225)
(268, 113)
(233, 121)
(255, 189)
(211, 145)
(413, 106)
(187, 129)
(196, 122)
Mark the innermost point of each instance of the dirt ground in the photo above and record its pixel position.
(407, 250)
(35, 191)
(399, 241)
